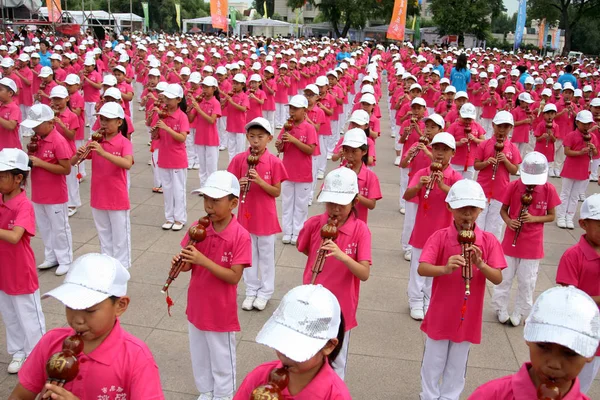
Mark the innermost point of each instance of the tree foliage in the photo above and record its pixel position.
(459, 17)
(504, 24)
(259, 6)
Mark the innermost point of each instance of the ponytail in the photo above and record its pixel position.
(340, 337)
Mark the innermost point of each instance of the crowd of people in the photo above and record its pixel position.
(480, 136)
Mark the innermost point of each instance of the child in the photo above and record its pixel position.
(111, 159)
(256, 98)
(454, 321)
(308, 355)
(92, 83)
(282, 83)
(258, 212)
(490, 101)
(268, 87)
(10, 115)
(77, 105)
(546, 136)
(95, 296)
(216, 264)
(430, 215)
(576, 170)
(466, 142)
(494, 180)
(348, 260)
(523, 118)
(25, 95)
(50, 165)
(562, 335)
(524, 252)
(298, 145)
(315, 116)
(237, 105)
(19, 287)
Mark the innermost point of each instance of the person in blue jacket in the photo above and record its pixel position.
(568, 77)
(438, 66)
(460, 75)
(342, 54)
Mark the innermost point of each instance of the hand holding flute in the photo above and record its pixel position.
(526, 200)
(329, 231)
(435, 167)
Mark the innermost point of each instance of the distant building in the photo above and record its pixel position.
(308, 13)
(425, 12)
(240, 6)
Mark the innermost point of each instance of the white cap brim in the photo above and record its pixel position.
(544, 333)
(31, 123)
(252, 124)
(467, 202)
(292, 344)
(529, 179)
(213, 192)
(76, 297)
(342, 199)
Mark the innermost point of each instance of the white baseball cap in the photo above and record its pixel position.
(89, 61)
(444, 138)
(595, 102)
(14, 159)
(185, 71)
(114, 93)
(173, 91)
(208, 68)
(262, 122)
(566, 316)
(154, 72)
(112, 110)
(534, 169)
(585, 117)
(210, 81)
(546, 92)
(450, 89)
(368, 98)
(359, 117)
(312, 87)
(298, 101)
(591, 208)
(526, 97)
(549, 107)
(355, 138)
(510, 89)
(241, 78)
(59, 91)
(307, 317)
(437, 119)
(37, 115)
(120, 68)
(557, 86)
(465, 192)
(221, 70)
(91, 279)
(24, 57)
(220, 184)
(415, 86)
(503, 117)
(568, 86)
(45, 72)
(72, 79)
(340, 187)
(367, 89)
(109, 80)
(468, 111)
(493, 83)
(270, 69)
(9, 83)
(462, 94)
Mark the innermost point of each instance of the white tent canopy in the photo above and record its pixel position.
(265, 22)
(120, 19)
(199, 21)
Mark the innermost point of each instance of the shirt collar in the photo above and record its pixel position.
(12, 203)
(106, 353)
(348, 226)
(588, 251)
(523, 388)
(314, 389)
(225, 234)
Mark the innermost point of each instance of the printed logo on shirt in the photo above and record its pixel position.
(48, 154)
(227, 257)
(541, 205)
(6, 115)
(11, 224)
(116, 153)
(364, 191)
(351, 249)
(112, 393)
(268, 176)
(303, 139)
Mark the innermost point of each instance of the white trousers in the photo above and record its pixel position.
(192, 157)
(90, 115)
(114, 233)
(174, 193)
(22, 130)
(569, 196)
(588, 374)
(235, 144)
(341, 361)
(409, 223)
(155, 173)
(260, 277)
(335, 136)
(222, 128)
(490, 220)
(270, 116)
(403, 185)
(208, 159)
(419, 287)
(468, 174)
(526, 271)
(73, 189)
(139, 88)
(24, 322)
(446, 361)
(322, 158)
(559, 156)
(213, 361)
(294, 202)
(281, 114)
(486, 124)
(53, 223)
(80, 169)
(594, 169)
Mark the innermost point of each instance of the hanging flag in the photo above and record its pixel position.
(556, 40)
(146, 17)
(232, 17)
(178, 13)
(54, 10)
(266, 12)
(546, 29)
(218, 12)
(398, 22)
(521, 17)
(541, 33)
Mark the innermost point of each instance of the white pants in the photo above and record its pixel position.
(24, 322)
(446, 361)
(409, 223)
(139, 88)
(430, 110)
(174, 193)
(208, 158)
(260, 277)
(559, 156)
(222, 128)
(335, 135)
(594, 169)
(73, 189)
(468, 174)
(213, 361)
(569, 196)
(90, 115)
(235, 144)
(419, 287)
(53, 223)
(114, 233)
(270, 116)
(281, 114)
(322, 158)
(80, 169)
(22, 130)
(526, 271)
(486, 124)
(294, 202)
(155, 173)
(490, 220)
(403, 185)
(588, 374)
(192, 157)
(523, 149)
(339, 365)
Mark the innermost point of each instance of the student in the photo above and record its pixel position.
(523, 117)
(258, 212)
(454, 321)
(95, 297)
(562, 335)
(466, 142)
(10, 115)
(307, 354)
(91, 85)
(490, 101)
(19, 287)
(546, 137)
(282, 83)
(256, 98)
(236, 105)
(217, 264)
(578, 267)
(77, 106)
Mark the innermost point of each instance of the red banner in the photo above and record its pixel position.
(54, 10)
(398, 22)
(541, 33)
(218, 12)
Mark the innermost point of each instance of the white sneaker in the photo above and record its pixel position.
(150, 162)
(196, 166)
(570, 224)
(515, 319)
(408, 255)
(310, 202)
(48, 265)
(417, 314)
(15, 364)
(223, 398)
(502, 316)
(260, 304)
(167, 225)
(402, 210)
(397, 161)
(581, 196)
(221, 148)
(320, 176)
(247, 304)
(286, 239)
(177, 226)
(551, 173)
(294, 240)
(62, 269)
(72, 211)
(561, 222)
(206, 396)
(329, 156)
(140, 108)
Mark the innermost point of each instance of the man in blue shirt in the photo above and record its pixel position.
(438, 66)
(568, 77)
(44, 54)
(342, 54)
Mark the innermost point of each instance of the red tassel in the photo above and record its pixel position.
(247, 215)
(463, 310)
(79, 176)
(170, 303)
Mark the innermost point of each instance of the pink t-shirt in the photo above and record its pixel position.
(76, 101)
(368, 186)
(125, 88)
(10, 138)
(465, 154)
(269, 104)
(236, 119)
(206, 134)
(413, 136)
(494, 189)
(258, 214)
(354, 238)
(46, 187)
(520, 133)
(90, 93)
(490, 104)
(545, 147)
(71, 121)
(172, 153)
(121, 367)
(212, 302)
(25, 94)
(17, 268)
(326, 385)
(298, 164)
(255, 108)
(443, 320)
(577, 167)
(317, 116)
(281, 94)
(432, 213)
(530, 243)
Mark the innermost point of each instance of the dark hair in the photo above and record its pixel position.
(183, 104)
(44, 42)
(340, 338)
(365, 158)
(231, 197)
(461, 62)
(25, 174)
(114, 299)
(124, 128)
(522, 69)
(569, 69)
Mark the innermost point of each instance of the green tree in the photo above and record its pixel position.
(259, 6)
(585, 36)
(504, 24)
(459, 17)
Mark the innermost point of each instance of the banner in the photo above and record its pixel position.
(233, 17)
(556, 40)
(218, 12)
(178, 13)
(54, 10)
(520, 23)
(398, 22)
(146, 16)
(542, 34)
(266, 11)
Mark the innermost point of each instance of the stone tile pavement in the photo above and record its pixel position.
(385, 349)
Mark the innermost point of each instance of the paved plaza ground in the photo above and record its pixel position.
(385, 349)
